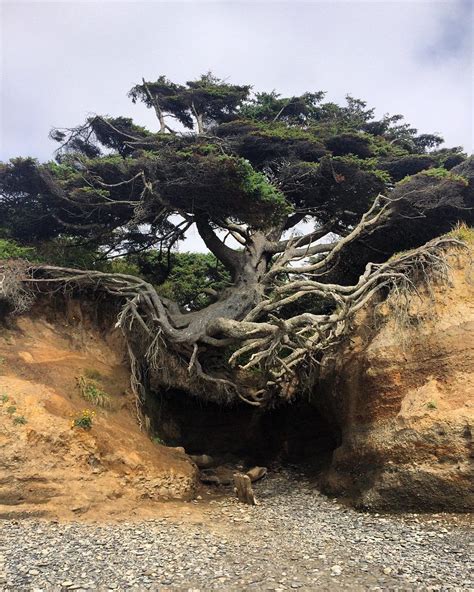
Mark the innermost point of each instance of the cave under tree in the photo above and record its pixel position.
(302, 204)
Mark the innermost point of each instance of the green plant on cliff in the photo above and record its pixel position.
(93, 393)
(463, 232)
(19, 420)
(83, 420)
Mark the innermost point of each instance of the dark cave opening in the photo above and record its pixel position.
(293, 433)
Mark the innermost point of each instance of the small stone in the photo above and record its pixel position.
(387, 571)
(336, 570)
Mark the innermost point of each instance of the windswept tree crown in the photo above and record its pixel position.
(245, 169)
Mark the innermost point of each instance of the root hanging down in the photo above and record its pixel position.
(260, 338)
(263, 355)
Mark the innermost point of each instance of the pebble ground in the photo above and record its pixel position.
(295, 539)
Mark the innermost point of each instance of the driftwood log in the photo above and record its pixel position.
(243, 487)
(256, 473)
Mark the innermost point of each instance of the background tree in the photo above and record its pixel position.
(301, 203)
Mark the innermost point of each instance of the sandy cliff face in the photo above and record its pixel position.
(49, 468)
(404, 399)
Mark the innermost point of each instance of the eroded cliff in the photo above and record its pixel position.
(48, 467)
(402, 391)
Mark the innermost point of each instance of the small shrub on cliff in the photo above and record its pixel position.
(19, 420)
(92, 393)
(83, 420)
(11, 410)
(463, 232)
(4, 398)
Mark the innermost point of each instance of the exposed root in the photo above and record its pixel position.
(13, 290)
(271, 356)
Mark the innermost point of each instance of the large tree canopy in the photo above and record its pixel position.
(301, 203)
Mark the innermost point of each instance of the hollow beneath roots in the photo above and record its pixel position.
(291, 433)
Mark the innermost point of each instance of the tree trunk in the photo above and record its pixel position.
(200, 123)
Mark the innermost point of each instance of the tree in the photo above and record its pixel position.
(202, 102)
(302, 203)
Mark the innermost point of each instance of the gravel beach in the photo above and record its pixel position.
(295, 539)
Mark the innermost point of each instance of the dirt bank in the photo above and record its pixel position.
(403, 395)
(48, 467)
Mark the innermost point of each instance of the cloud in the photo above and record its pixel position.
(64, 60)
(453, 35)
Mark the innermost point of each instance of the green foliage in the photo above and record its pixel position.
(206, 100)
(448, 158)
(272, 106)
(431, 405)
(185, 277)
(370, 165)
(19, 420)
(402, 166)
(67, 251)
(356, 144)
(11, 410)
(93, 393)
(121, 265)
(463, 232)
(262, 143)
(440, 174)
(83, 420)
(256, 186)
(10, 249)
(109, 200)
(158, 441)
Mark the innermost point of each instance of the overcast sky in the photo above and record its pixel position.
(63, 60)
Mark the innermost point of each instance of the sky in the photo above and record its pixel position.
(64, 60)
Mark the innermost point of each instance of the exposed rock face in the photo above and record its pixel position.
(404, 399)
(49, 468)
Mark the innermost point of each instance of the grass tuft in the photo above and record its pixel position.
(462, 232)
(92, 393)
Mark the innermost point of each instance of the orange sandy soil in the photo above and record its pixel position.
(50, 469)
